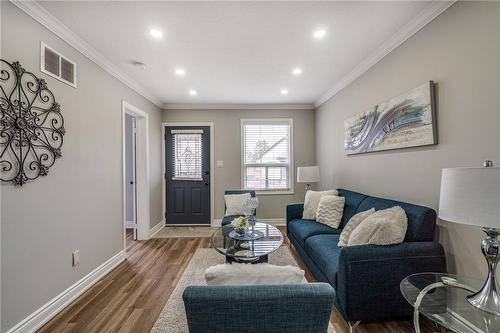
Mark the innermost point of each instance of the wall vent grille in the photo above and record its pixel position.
(56, 65)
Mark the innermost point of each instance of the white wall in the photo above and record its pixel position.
(460, 50)
(79, 204)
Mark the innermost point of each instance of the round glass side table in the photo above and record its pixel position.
(441, 298)
(251, 251)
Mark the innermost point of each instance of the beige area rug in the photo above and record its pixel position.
(172, 318)
(181, 232)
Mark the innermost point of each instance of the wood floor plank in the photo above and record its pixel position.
(131, 297)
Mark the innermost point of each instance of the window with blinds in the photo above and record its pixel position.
(266, 154)
(187, 154)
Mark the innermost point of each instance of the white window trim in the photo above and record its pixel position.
(291, 146)
(44, 46)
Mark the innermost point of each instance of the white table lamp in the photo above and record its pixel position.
(308, 175)
(472, 196)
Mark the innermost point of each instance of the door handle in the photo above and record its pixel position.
(131, 183)
(206, 184)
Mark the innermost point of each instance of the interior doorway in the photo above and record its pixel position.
(135, 131)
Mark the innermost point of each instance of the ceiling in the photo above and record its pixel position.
(236, 52)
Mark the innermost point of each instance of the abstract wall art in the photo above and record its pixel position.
(404, 121)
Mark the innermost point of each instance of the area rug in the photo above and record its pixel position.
(184, 232)
(172, 318)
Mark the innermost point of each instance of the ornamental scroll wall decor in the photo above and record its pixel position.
(31, 125)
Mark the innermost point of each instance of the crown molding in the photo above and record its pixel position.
(429, 13)
(201, 106)
(40, 14)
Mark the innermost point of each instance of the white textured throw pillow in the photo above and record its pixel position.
(354, 221)
(236, 203)
(245, 274)
(330, 210)
(384, 227)
(311, 203)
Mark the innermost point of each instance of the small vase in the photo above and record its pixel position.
(240, 231)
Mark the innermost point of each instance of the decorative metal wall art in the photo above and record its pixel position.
(31, 125)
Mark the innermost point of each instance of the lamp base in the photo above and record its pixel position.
(488, 299)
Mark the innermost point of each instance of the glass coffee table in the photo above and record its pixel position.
(441, 298)
(251, 251)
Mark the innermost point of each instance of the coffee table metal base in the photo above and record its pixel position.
(257, 260)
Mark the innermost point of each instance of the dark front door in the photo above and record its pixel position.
(187, 175)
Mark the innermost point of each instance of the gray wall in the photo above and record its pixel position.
(227, 130)
(79, 204)
(460, 51)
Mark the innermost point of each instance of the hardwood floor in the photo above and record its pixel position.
(130, 298)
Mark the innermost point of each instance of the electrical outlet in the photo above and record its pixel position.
(76, 258)
(220, 164)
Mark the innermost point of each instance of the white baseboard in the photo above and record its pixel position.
(41, 316)
(129, 224)
(156, 228)
(276, 222)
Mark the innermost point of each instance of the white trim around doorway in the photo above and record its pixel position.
(142, 174)
(212, 165)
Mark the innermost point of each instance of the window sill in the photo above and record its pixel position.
(283, 192)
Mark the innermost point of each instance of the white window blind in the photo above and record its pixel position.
(266, 146)
(187, 155)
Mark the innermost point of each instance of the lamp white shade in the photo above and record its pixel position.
(308, 174)
(471, 196)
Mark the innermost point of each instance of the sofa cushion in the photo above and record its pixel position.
(384, 227)
(244, 274)
(311, 203)
(324, 251)
(302, 229)
(228, 219)
(236, 204)
(330, 210)
(421, 220)
(352, 202)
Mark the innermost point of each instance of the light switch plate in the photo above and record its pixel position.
(220, 164)
(76, 258)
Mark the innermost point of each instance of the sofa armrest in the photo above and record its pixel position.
(369, 277)
(294, 211)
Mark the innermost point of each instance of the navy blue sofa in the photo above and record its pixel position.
(229, 219)
(293, 308)
(366, 278)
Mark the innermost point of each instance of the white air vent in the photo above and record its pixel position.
(56, 65)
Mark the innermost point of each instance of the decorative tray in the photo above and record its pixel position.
(251, 235)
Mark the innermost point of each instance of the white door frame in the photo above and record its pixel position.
(134, 176)
(142, 171)
(212, 164)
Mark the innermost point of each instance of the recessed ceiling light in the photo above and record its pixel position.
(156, 33)
(284, 91)
(297, 71)
(320, 33)
(193, 92)
(180, 72)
